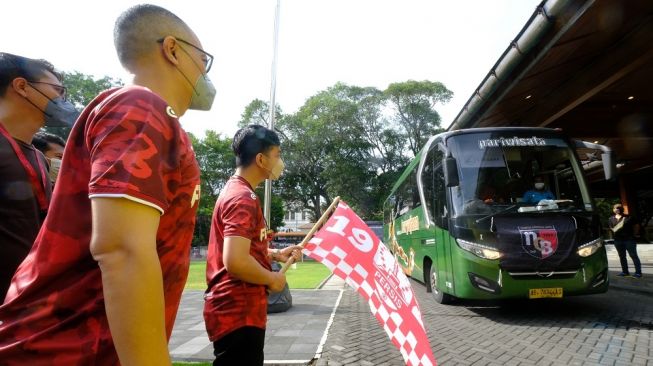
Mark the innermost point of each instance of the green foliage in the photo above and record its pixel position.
(353, 142)
(308, 275)
(414, 103)
(257, 112)
(604, 209)
(82, 88)
(276, 208)
(217, 164)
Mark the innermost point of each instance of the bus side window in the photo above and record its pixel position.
(388, 208)
(407, 195)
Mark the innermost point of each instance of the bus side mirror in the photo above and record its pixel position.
(607, 156)
(609, 166)
(451, 172)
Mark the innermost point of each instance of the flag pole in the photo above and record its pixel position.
(267, 204)
(316, 227)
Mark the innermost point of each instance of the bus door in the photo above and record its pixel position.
(435, 199)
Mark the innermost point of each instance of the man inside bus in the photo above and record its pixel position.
(538, 193)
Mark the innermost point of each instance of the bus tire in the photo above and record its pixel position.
(439, 296)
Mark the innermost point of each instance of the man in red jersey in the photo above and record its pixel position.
(103, 281)
(238, 267)
(31, 95)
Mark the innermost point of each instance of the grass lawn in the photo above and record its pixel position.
(307, 275)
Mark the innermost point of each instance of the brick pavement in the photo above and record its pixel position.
(615, 328)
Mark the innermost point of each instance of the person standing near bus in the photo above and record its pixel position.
(104, 279)
(625, 230)
(238, 270)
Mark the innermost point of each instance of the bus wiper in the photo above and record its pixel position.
(496, 213)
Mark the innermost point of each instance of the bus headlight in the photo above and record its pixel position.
(590, 248)
(479, 250)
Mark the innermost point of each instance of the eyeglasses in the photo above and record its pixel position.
(207, 59)
(62, 91)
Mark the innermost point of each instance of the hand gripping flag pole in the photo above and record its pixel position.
(316, 227)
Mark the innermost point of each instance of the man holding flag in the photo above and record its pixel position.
(238, 268)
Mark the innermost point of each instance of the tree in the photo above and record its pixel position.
(326, 152)
(414, 104)
(257, 112)
(217, 164)
(81, 90)
(343, 142)
(277, 211)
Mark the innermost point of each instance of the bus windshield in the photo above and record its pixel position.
(517, 173)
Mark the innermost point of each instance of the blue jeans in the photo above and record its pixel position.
(629, 246)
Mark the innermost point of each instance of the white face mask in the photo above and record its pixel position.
(55, 165)
(539, 185)
(277, 170)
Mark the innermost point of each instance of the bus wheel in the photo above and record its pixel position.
(439, 296)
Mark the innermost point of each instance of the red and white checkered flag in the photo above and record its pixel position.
(349, 248)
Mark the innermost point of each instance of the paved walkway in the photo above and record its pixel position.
(293, 337)
(298, 336)
(644, 284)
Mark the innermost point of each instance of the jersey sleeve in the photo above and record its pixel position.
(131, 150)
(239, 217)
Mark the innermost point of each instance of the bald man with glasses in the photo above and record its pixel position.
(103, 282)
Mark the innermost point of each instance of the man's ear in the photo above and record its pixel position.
(259, 159)
(20, 85)
(170, 49)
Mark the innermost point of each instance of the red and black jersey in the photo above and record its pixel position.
(127, 144)
(229, 302)
(20, 213)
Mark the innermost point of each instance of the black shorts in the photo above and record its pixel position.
(243, 346)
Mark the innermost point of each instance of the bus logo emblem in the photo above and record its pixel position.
(540, 242)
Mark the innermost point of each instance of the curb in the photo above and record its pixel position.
(319, 287)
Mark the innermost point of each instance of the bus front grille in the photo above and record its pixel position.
(543, 275)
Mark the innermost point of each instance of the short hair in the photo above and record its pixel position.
(42, 139)
(138, 29)
(250, 141)
(14, 66)
(619, 207)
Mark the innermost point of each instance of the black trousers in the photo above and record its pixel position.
(629, 246)
(243, 346)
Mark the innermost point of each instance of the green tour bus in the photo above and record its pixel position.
(465, 219)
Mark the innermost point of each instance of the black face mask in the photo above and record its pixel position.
(58, 112)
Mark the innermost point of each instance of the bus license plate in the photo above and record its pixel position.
(540, 293)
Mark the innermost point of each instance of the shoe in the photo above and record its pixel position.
(623, 274)
(637, 275)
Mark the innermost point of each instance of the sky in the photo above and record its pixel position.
(321, 42)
